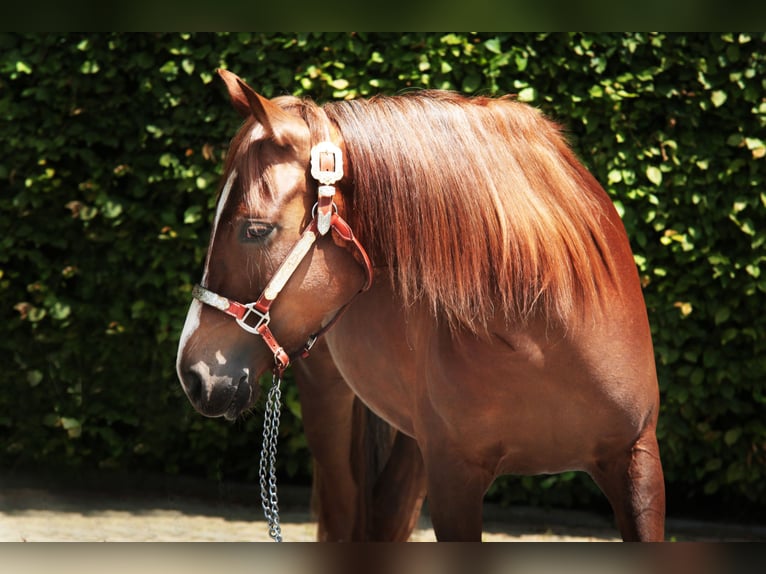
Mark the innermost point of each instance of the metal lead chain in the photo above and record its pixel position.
(267, 471)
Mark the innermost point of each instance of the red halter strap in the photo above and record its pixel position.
(254, 317)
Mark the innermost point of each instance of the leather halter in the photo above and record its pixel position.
(327, 168)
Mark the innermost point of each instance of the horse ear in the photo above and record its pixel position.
(234, 86)
(249, 103)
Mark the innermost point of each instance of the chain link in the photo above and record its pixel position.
(267, 470)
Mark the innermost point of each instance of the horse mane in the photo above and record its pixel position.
(475, 205)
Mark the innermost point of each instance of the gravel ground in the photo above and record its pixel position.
(37, 513)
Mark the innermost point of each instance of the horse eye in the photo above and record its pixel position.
(257, 230)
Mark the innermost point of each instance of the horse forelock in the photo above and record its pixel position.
(246, 152)
(476, 205)
(244, 158)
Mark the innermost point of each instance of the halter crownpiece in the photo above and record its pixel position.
(326, 168)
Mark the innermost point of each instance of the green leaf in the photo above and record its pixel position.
(732, 436)
(23, 68)
(90, 67)
(36, 314)
(528, 94)
(729, 335)
(193, 214)
(69, 423)
(493, 45)
(111, 209)
(596, 91)
(654, 175)
(718, 98)
(34, 378)
(697, 376)
(471, 83)
(51, 420)
(452, 39)
(722, 315)
(169, 68)
(340, 84)
(713, 464)
(60, 311)
(735, 140)
(72, 426)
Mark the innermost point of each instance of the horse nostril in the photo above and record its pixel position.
(192, 383)
(243, 388)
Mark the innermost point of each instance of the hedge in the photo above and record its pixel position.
(113, 146)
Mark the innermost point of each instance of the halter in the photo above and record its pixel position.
(326, 168)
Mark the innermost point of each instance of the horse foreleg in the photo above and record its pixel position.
(368, 479)
(456, 491)
(327, 406)
(399, 492)
(635, 487)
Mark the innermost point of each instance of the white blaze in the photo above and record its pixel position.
(195, 309)
(219, 210)
(190, 326)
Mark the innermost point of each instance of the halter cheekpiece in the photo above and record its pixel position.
(327, 169)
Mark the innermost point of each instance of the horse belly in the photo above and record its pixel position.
(529, 401)
(541, 403)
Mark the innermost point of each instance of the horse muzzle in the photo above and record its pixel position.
(218, 394)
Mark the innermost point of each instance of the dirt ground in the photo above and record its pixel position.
(46, 512)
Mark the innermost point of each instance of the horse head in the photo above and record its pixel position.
(278, 243)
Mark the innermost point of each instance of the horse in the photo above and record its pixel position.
(457, 296)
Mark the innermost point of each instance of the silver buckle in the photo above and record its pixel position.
(263, 319)
(326, 177)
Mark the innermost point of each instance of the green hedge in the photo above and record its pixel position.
(112, 150)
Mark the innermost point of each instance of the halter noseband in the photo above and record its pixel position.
(326, 168)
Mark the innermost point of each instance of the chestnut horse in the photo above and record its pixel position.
(486, 308)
